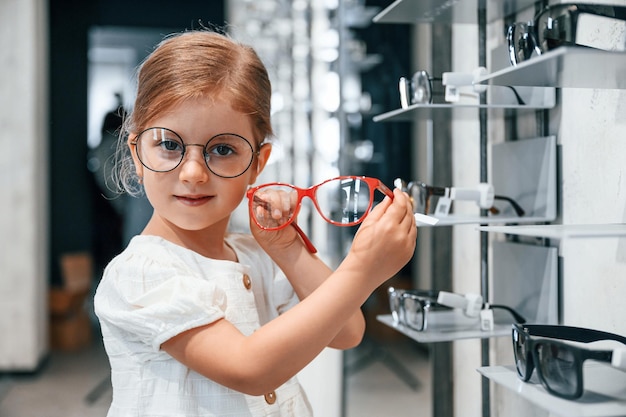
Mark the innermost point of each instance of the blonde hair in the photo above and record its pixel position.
(191, 65)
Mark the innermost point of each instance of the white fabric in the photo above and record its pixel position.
(155, 290)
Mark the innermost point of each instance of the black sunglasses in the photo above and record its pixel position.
(559, 365)
(554, 26)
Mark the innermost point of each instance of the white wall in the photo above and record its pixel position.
(23, 184)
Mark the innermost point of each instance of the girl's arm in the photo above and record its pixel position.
(263, 361)
(307, 272)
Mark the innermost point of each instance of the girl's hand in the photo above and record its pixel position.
(274, 208)
(386, 239)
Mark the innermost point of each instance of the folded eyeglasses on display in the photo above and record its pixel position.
(418, 89)
(560, 365)
(482, 194)
(341, 201)
(412, 308)
(559, 25)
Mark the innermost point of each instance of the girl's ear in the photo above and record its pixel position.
(133, 153)
(264, 155)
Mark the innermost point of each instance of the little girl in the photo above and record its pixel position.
(200, 322)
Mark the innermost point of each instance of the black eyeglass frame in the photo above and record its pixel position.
(254, 153)
(409, 87)
(444, 191)
(428, 301)
(426, 298)
(533, 43)
(536, 334)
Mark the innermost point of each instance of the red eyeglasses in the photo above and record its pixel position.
(341, 201)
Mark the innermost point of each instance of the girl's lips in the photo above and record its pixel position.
(193, 200)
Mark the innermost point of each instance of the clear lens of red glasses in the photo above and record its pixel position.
(342, 201)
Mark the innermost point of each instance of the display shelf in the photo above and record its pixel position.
(452, 11)
(430, 336)
(561, 231)
(576, 67)
(499, 97)
(425, 111)
(605, 391)
(453, 220)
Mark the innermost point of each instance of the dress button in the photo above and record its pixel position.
(270, 397)
(247, 282)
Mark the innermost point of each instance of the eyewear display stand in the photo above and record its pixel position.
(561, 231)
(562, 67)
(536, 98)
(525, 171)
(429, 11)
(525, 278)
(500, 97)
(605, 391)
(565, 67)
(448, 335)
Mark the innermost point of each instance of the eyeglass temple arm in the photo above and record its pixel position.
(518, 317)
(307, 242)
(576, 334)
(386, 190)
(518, 209)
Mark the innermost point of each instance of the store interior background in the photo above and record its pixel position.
(65, 60)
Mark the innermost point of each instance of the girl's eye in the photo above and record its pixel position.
(221, 150)
(171, 145)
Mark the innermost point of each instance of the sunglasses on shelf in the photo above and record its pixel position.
(560, 365)
(559, 25)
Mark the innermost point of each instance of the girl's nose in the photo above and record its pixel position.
(193, 166)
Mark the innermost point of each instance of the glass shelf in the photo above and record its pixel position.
(453, 220)
(500, 330)
(450, 11)
(565, 67)
(425, 111)
(562, 231)
(499, 97)
(605, 391)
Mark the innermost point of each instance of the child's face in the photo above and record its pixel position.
(191, 197)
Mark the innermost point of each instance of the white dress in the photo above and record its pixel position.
(155, 290)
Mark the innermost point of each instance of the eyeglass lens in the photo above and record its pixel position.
(422, 194)
(408, 307)
(413, 312)
(522, 43)
(226, 155)
(523, 359)
(555, 26)
(394, 304)
(558, 368)
(340, 201)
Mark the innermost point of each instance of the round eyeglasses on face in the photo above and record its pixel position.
(226, 155)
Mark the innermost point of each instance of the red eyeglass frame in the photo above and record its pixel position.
(372, 183)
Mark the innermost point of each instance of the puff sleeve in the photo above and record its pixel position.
(150, 301)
